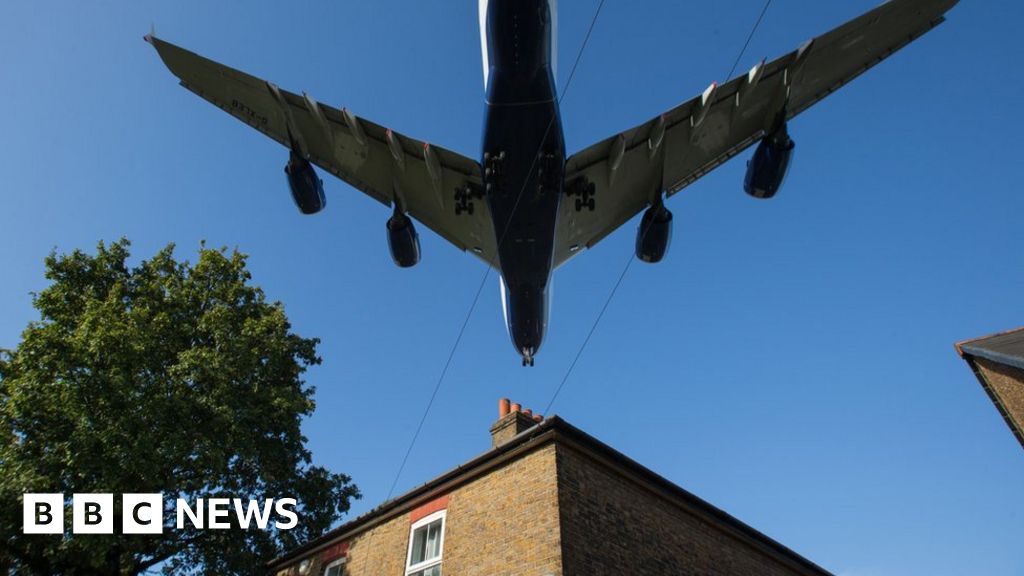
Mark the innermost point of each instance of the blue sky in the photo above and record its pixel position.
(790, 361)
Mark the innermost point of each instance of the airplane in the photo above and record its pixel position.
(525, 208)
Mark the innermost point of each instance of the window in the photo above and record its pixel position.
(335, 568)
(426, 544)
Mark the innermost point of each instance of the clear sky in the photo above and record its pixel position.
(790, 361)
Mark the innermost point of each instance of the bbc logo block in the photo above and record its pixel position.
(90, 513)
(93, 513)
(43, 514)
(144, 513)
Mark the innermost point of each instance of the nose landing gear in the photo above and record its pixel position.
(527, 357)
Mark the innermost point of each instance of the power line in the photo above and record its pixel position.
(579, 55)
(593, 327)
(479, 290)
(749, 38)
(629, 261)
(483, 280)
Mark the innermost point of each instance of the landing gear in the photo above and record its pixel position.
(583, 191)
(588, 203)
(528, 361)
(464, 197)
(494, 172)
(494, 165)
(548, 175)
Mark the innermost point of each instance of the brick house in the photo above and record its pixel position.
(998, 363)
(546, 499)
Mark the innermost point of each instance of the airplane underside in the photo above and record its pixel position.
(525, 207)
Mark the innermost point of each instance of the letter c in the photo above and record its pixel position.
(137, 518)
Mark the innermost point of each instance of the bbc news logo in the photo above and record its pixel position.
(144, 513)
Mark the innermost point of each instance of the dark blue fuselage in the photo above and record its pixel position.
(523, 160)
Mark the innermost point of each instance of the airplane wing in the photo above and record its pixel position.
(440, 188)
(624, 174)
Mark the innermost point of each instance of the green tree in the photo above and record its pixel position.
(165, 377)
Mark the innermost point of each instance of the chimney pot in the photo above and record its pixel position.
(537, 418)
(511, 423)
(503, 407)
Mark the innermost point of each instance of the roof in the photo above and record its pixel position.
(1004, 348)
(551, 429)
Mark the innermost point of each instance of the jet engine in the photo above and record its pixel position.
(767, 168)
(307, 188)
(654, 234)
(403, 240)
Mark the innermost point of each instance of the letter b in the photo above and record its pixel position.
(43, 514)
(92, 514)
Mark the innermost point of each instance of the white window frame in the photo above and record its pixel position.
(411, 568)
(333, 564)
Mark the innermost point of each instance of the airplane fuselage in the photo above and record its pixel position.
(523, 158)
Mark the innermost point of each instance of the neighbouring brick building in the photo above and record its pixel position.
(998, 362)
(546, 500)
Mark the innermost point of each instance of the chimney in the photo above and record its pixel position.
(512, 420)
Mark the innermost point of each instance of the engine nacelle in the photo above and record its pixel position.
(655, 234)
(307, 188)
(403, 241)
(767, 169)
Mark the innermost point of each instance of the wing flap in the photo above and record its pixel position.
(427, 181)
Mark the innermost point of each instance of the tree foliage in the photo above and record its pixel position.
(164, 377)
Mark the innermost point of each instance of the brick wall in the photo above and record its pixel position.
(615, 524)
(1007, 383)
(504, 522)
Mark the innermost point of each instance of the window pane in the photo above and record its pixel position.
(419, 544)
(433, 540)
